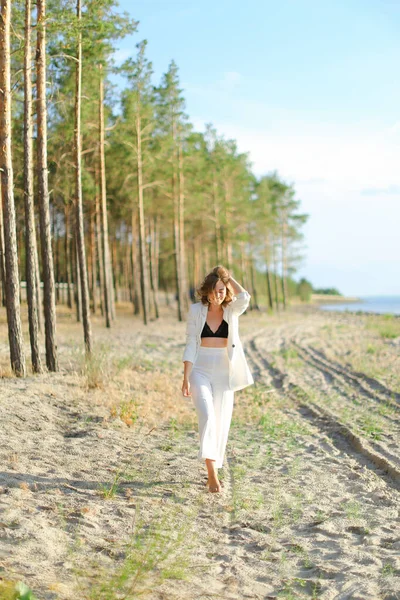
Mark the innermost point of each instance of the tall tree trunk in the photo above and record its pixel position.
(176, 223)
(21, 261)
(135, 266)
(43, 191)
(218, 235)
(178, 278)
(90, 262)
(113, 287)
(107, 283)
(68, 269)
(144, 278)
(153, 254)
(57, 255)
(77, 287)
(81, 259)
(128, 271)
(157, 252)
(275, 265)
(228, 241)
(268, 271)
(182, 252)
(244, 270)
(2, 255)
(284, 259)
(93, 258)
(196, 265)
(30, 233)
(253, 286)
(99, 242)
(7, 188)
(269, 288)
(206, 260)
(115, 280)
(38, 279)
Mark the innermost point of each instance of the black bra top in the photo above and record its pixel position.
(222, 331)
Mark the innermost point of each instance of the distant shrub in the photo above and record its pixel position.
(304, 290)
(327, 291)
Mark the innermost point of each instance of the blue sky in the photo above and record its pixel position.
(309, 88)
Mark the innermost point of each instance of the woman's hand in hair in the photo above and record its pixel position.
(235, 286)
(222, 273)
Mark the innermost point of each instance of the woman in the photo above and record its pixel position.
(214, 363)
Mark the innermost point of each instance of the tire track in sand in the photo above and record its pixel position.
(325, 420)
(373, 391)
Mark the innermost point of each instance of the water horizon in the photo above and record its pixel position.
(378, 304)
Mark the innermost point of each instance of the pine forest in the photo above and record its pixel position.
(109, 194)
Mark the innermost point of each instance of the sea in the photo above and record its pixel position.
(369, 304)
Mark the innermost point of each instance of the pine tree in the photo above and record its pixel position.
(30, 233)
(43, 192)
(136, 128)
(81, 258)
(107, 277)
(7, 189)
(172, 130)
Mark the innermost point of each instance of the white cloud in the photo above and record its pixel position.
(347, 180)
(356, 160)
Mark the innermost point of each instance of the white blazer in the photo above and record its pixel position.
(239, 372)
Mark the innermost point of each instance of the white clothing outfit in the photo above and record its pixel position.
(216, 374)
(209, 383)
(239, 372)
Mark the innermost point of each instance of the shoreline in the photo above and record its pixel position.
(358, 306)
(330, 298)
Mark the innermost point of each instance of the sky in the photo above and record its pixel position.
(310, 88)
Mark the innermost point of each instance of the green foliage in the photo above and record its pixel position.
(244, 222)
(387, 328)
(10, 590)
(304, 290)
(327, 291)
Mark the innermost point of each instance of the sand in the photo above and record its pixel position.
(102, 496)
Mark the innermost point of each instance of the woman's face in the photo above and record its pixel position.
(218, 295)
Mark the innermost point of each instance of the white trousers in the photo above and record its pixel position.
(209, 383)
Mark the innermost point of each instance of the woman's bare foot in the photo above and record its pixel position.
(213, 482)
(221, 483)
(214, 485)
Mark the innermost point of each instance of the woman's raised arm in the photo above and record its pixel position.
(242, 297)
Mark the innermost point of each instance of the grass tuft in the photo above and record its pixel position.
(109, 492)
(95, 368)
(156, 551)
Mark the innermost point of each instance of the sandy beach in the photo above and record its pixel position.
(102, 495)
